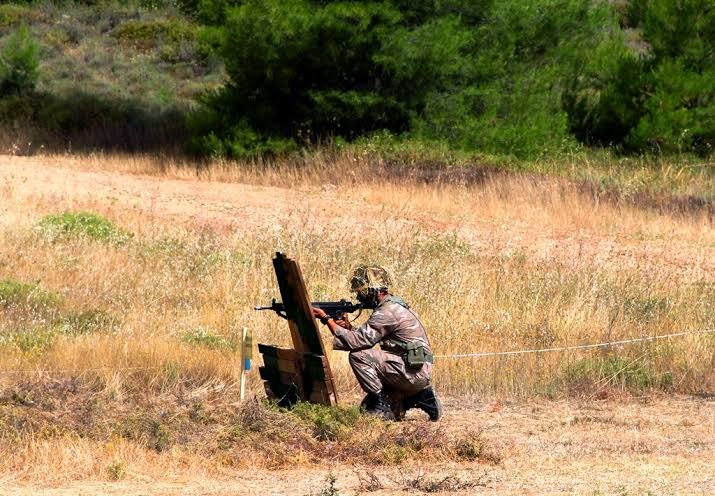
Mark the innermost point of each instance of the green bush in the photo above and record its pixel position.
(616, 371)
(174, 39)
(298, 71)
(19, 63)
(148, 430)
(205, 337)
(207, 11)
(12, 15)
(328, 422)
(660, 98)
(82, 225)
(116, 470)
(16, 293)
(30, 340)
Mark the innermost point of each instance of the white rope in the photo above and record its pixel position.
(577, 347)
(467, 355)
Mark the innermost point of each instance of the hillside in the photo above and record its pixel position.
(112, 76)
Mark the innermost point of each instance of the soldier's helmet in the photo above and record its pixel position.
(366, 277)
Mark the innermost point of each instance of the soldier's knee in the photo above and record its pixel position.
(361, 357)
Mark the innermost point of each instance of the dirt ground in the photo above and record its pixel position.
(654, 445)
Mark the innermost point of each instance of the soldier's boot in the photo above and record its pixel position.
(427, 401)
(377, 404)
(397, 403)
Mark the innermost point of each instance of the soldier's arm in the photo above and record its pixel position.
(379, 325)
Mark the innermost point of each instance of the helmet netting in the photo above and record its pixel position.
(369, 277)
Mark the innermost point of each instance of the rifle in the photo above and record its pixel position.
(334, 309)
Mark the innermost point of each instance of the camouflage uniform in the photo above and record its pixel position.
(392, 324)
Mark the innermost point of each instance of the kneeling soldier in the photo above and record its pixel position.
(401, 370)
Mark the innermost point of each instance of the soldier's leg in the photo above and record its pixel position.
(415, 384)
(376, 369)
(365, 365)
(369, 366)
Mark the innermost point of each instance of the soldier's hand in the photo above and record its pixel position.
(344, 322)
(319, 313)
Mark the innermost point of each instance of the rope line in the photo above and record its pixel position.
(577, 347)
(466, 355)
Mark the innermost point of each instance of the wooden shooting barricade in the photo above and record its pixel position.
(302, 372)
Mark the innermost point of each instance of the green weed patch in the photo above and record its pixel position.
(13, 15)
(82, 225)
(616, 372)
(329, 423)
(31, 340)
(205, 337)
(16, 293)
(173, 39)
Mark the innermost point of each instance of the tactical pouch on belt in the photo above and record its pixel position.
(416, 355)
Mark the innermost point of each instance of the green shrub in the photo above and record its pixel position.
(116, 470)
(616, 371)
(175, 39)
(147, 429)
(82, 225)
(329, 489)
(205, 337)
(13, 15)
(16, 293)
(207, 11)
(659, 97)
(328, 422)
(19, 63)
(34, 339)
(297, 71)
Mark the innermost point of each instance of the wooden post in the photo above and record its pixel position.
(246, 357)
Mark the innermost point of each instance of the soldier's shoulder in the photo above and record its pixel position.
(396, 300)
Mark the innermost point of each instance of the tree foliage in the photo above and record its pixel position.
(19, 63)
(659, 97)
(526, 77)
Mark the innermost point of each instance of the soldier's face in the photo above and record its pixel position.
(368, 298)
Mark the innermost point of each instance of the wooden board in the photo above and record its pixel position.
(282, 353)
(297, 305)
(304, 371)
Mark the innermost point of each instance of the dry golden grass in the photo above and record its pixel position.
(514, 262)
(503, 263)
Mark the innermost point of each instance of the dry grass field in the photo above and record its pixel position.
(119, 330)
